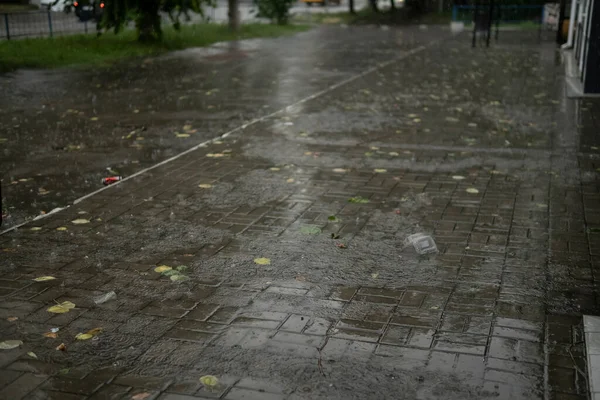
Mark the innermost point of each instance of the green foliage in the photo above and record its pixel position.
(99, 51)
(275, 10)
(146, 15)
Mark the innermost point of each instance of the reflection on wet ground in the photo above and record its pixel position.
(65, 130)
(274, 259)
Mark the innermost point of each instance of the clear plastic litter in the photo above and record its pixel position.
(105, 297)
(422, 243)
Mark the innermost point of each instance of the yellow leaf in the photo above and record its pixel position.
(94, 119)
(375, 275)
(380, 170)
(472, 190)
(262, 261)
(162, 268)
(290, 180)
(61, 228)
(84, 336)
(182, 135)
(458, 177)
(51, 335)
(205, 186)
(10, 344)
(393, 153)
(62, 308)
(209, 381)
(187, 127)
(44, 278)
(80, 221)
(340, 170)
(274, 169)
(32, 355)
(12, 319)
(215, 155)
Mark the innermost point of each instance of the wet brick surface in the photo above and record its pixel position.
(495, 314)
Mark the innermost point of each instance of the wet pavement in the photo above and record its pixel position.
(273, 258)
(65, 130)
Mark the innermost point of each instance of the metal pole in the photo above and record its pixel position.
(7, 28)
(454, 12)
(85, 26)
(489, 25)
(50, 23)
(498, 16)
(474, 43)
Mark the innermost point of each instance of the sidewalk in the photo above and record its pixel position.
(475, 147)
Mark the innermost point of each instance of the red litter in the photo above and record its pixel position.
(111, 179)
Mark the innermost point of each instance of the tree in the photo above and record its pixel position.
(351, 6)
(275, 10)
(233, 14)
(146, 15)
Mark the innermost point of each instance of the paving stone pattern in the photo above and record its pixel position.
(495, 314)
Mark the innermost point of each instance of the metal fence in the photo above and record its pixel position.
(42, 24)
(504, 14)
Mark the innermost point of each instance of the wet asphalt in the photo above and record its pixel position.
(289, 276)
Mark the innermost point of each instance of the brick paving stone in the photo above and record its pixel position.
(498, 308)
(21, 386)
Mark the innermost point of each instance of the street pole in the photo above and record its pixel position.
(561, 20)
(489, 24)
(475, 12)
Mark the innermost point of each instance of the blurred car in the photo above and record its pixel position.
(323, 3)
(57, 5)
(89, 9)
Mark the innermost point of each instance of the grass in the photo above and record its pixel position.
(89, 49)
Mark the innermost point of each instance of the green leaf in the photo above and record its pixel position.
(310, 230)
(358, 200)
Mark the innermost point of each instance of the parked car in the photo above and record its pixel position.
(89, 9)
(57, 5)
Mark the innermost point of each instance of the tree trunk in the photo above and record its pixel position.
(351, 6)
(392, 6)
(148, 21)
(234, 15)
(374, 5)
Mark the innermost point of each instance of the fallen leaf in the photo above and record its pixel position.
(61, 228)
(209, 381)
(36, 228)
(262, 261)
(51, 335)
(10, 344)
(300, 278)
(179, 278)
(358, 200)
(310, 230)
(393, 153)
(341, 245)
(375, 275)
(61, 347)
(181, 268)
(215, 155)
(182, 135)
(472, 191)
(187, 128)
(274, 169)
(417, 120)
(332, 218)
(458, 177)
(44, 278)
(12, 319)
(290, 180)
(32, 355)
(205, 186)
(62, 308)
(80, 221)
(162, 268)
(83, 336)
(340, 170)
(94, 119)
(64, 371)
(380, 170)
